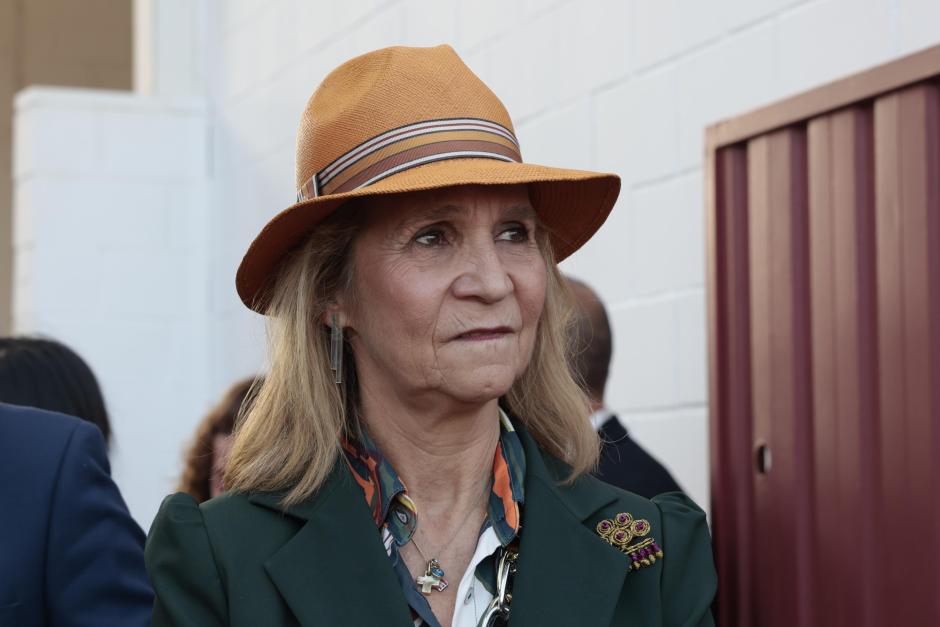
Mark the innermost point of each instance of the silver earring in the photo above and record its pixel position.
(336, 349)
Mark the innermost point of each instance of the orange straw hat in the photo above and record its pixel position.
(407, 119)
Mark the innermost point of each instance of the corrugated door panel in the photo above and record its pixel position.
(732, 506)
(842, 271)
(907, 218)
(828, 356)
(781, 385)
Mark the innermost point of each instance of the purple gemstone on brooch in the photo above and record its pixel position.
(623, 518)
(605, 525)
(640, 526)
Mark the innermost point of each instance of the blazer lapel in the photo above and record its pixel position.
(335, 570)
(566, 574)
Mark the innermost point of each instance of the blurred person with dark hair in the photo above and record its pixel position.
(206, 457)
(70, 553)
(44, 373)
(623, 462)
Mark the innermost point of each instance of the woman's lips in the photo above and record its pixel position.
(476, 335)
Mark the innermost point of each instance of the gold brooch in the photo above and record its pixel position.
(622, 530)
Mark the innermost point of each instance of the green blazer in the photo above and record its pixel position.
(244, 560)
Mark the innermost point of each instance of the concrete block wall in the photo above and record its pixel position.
(133, 212)
(110, 226)
(620, 85)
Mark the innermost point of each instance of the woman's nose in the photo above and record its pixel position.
(482, 273)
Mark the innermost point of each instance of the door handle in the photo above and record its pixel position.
(763, 458)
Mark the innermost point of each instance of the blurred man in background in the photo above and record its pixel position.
(623, 462)
(70, 553)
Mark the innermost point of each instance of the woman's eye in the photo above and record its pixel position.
(431, 237)
(515, 233)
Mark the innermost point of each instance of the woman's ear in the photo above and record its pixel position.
(334, 314)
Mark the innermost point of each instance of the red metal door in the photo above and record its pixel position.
(824, 324)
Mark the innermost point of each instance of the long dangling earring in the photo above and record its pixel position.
(336, 349)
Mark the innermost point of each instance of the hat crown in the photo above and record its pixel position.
(385, 90)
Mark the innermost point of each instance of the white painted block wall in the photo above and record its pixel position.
(110, 226)
(620, 85)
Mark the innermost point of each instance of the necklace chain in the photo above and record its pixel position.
(433, 577)
(414, 541)
(455, 534)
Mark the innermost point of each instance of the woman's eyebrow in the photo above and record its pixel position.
(442, 212)
(519, 212)
(432, 214)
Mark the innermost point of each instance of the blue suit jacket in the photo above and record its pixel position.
(627, 465)
(70, 554)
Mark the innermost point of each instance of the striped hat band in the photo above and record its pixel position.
(410, 146)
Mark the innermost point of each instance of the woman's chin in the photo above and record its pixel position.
(482, 385)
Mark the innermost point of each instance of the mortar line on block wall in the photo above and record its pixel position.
(665, 178)
(769, 17)
(495, 37)
(142, 318)
(635, 411)
(546, 9)
(210, 147)
(57, 175)
(592, 130)
(302, 54)
(657, 298)
(666, 62)
(71, 99)
(203, 275)
(536, 116)
(488, 41)
(363, 19)
(698, 49)
(799, 7)
(232, 25)
(140, 105)
(894, 27)
(252, 158)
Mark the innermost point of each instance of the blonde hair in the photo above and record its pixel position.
(290, 438)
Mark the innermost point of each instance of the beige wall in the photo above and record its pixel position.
(54, 42)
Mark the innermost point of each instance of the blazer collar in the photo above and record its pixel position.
(334, 570)
(567, 575)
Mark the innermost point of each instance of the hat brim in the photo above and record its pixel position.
(571, 204)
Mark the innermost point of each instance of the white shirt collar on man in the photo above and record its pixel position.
(599, 417)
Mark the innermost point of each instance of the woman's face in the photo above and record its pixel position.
(447, 292)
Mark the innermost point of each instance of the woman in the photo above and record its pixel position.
(208, 454)
(417, 453)
(44, 373)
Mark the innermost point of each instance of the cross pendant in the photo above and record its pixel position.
(427, 583)
(432, 579)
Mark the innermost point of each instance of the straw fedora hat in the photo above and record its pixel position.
(406, 119)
